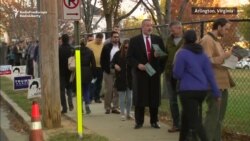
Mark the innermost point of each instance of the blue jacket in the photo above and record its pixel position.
(194, 70)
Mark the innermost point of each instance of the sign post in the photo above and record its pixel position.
(72, 11)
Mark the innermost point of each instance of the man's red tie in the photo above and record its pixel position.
(148, 48)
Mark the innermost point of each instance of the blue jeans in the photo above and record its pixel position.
(95, 88)
(173, 101)
(125, 99)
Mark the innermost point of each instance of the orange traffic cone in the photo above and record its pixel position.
(36, 127)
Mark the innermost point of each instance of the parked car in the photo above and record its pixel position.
(243, 63)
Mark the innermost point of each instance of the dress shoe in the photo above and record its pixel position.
(138, 126)
(63, 111)
(115, 111)
(88, 111)
(98, 101)
(155, 125)
(71, 108)
(173, 129)
(107, 112)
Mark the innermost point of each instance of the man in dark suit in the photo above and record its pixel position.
(146, 88)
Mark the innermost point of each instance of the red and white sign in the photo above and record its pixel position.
(71, 9)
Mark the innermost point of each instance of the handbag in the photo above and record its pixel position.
(71, 63)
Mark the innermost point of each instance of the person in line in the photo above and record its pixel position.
(212, 47)
(192, 65)
(146, 88)
(116, 28)
(174, 42)
(17, 53)
(123, 80)
(90, 37)
(107, 54)
(10, 55)
(88, 69)
(95, 88)
(64, 53)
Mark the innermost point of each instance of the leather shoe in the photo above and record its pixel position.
(173, 129)
(138, 126)
(63, 111)
(155, 125)
(71, 108)
(115, 111)
(107, 112)
(98, 101)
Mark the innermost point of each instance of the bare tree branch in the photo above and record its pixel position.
(130, 12)
(95, 25)
(152, 14)
(182, 8)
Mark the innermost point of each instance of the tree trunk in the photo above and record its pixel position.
(51, 109)
(108, 18)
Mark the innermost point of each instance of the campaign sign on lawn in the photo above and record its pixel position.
(5, 69)
(21, 82)
(34, 89)
(18, 71)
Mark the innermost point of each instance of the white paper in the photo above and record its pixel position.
(93, 80)
(230, 62)
(158, 50)
(149, 69)
(240, 52)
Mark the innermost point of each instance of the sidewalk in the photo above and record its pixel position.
(111, 126)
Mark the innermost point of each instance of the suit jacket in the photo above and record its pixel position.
(105, 57)
(146, 89)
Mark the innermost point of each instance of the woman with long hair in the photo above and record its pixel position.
(123, 81)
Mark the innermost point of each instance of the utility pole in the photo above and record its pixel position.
(51, 107)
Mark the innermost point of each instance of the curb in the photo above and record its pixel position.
(24, 117)
(3, 135)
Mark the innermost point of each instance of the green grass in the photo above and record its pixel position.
(238, 111)
(18, 96)
(74, 137)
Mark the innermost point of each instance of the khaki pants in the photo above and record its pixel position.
(215, 116)
(111, 95)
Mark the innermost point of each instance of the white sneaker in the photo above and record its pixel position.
(130, 117)
(123, 118)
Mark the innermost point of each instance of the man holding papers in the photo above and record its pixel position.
(147, 66)
(213, 48)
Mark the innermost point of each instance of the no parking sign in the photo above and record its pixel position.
(71, 9)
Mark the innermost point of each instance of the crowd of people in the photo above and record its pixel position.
(193, 70)
(22, 53)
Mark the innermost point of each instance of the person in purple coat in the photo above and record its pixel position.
(193, 70)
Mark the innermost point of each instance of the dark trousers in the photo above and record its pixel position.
(191, 120)
(95, 88)
(173, 100)
(85, 93)
(139, 115)
(64, 84)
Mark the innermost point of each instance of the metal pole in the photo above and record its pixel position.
(78, 81)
